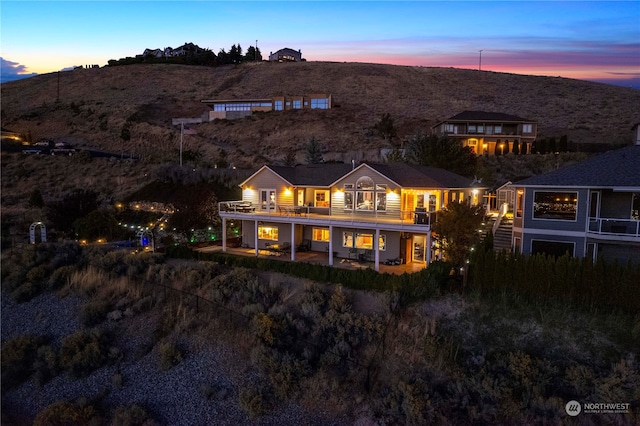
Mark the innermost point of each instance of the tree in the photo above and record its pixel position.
(516, 147)
(252, 54)
(290, 158)
(441, 152)
(386, 128)
(552, 145)
(314, 152)
(63, 213)
(457, 231)
(35, 199)
(563, 145)
(235, 54)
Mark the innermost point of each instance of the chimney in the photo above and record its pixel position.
(353, 164)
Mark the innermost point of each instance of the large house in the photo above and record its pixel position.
(588, 209)
(286, 55)
(377, 212)
(489, 133)
(238, 108)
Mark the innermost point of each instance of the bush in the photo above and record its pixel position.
(256, 399)
(18, 356)
(93, 313)
(85, 351)
(67, 413)
(170, 355)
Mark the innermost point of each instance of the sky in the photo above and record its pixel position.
(590, 40)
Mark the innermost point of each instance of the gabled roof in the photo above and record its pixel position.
(410, 176)
(486, 116)
(405, 175)
(613, 169)
(313, 174)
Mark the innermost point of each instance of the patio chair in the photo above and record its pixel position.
(305, 245)
(285, 247)
(353, 252)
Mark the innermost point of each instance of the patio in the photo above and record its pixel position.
(317, 257)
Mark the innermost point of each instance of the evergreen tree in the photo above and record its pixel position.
(552, 145)
(516, 147)
(252, 55)
(563, 144)
(441, 152)
(385, 128)
(314, 152)
(457, 230)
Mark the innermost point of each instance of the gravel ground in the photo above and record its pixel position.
(175, 397)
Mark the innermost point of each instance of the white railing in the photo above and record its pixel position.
(504, 207)
(308, 213)
(615, 226)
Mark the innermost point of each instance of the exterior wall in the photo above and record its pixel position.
(393, 191)
(579, 225)
(621, 253)
(579, 243)
(266, 179)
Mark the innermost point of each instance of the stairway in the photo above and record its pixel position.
(502, 237)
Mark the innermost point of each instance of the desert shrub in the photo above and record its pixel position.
(60, 276)
(46, 364)
(256, 399)
(18, 357)
(93, 313)
(85, 351)
(27, 291)
(63, 413)
(408, 402)
(132, 415)
(169, 355)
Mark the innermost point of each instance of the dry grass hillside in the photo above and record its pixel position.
(95, 104)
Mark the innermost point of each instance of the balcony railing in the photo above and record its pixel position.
(626, 227)
(402, 217)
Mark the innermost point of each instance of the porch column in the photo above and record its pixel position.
(293, 242)
(330, 245)
(428, 247)
(224, 234)
(255, 237)
(376, 248)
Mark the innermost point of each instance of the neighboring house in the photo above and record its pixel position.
(377, 212)
(155, 53)
(238, 108)
(286, 55)
(587, 209)
(489, 133)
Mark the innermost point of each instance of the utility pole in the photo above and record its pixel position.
(480, 62)
(181, 133)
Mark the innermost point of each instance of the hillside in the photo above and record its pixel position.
(95, 104)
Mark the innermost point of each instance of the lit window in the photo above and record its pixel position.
(321, 198)
(555, 205)
(348, 200)
(365, 241)
(527, 128)
(268, 233)
(320, 234)
(347, 239)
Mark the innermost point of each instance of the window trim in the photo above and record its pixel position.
(323, 238)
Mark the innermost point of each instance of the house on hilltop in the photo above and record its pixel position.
(590, 209)
(489, 133)
(371, 212)
(286, 55)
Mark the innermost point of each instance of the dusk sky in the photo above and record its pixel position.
(593, 40)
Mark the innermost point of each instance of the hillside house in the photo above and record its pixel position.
(587, 209)
(238, 108)
(489, 133)
(371, 212)
(285, 55)
(154, 53)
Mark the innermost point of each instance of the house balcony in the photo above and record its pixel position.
(614, 229)
(405, 221)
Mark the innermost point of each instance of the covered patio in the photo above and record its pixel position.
(321, 258)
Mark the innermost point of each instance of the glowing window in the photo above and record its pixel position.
(320, 234)
(268, 233)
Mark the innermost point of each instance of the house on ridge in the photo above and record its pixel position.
(489, 133)
(285, 55)
(238, 108)
(375, 212)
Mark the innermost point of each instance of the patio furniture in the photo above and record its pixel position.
(304, 246)
(353, 252)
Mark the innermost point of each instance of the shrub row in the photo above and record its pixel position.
(566, 278)
(417, 286)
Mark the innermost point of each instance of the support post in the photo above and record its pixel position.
(330, 245)
(255, 238)
(224, 234)
(293, 242)
(376, 248)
